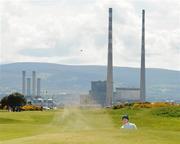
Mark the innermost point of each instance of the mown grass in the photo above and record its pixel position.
(89, 126)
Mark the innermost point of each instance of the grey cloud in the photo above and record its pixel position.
(64, 48)
(60, 28)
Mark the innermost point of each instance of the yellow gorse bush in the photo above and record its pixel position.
(153, 105)
(145, 105)
(31, 108)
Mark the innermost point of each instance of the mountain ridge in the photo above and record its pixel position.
(84, 65)
(161, 83)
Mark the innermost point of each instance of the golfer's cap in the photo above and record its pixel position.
(125, 117)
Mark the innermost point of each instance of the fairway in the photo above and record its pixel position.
(87, 126)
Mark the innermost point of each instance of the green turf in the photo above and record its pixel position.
(93, 126)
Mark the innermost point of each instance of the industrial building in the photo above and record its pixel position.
(122, 95)
(96, 96)
(98, 92)
(46, 103)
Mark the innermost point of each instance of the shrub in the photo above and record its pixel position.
(119, 106)
(31, 108)
(142, 105)
(161, 104)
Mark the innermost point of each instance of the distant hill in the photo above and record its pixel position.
(161, 83)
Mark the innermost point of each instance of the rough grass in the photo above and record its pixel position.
(167, 112)
(88, 126)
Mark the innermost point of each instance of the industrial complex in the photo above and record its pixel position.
(31, 89)
(102, 92)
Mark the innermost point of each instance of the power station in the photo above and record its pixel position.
(33, 95)
(31, 87)
(106, 96)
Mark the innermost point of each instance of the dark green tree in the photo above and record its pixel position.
(14, 101)
(3, 102)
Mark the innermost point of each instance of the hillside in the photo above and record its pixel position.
(161, 83)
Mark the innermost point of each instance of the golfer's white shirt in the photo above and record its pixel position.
(129, 126)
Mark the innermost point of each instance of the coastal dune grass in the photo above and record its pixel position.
(89, 126)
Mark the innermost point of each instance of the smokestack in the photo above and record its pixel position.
(109, 89)
(143, 81)
(38, 87)
(24, 82)
(33, 83)
(28, 86)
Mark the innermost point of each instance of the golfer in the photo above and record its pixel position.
(127, 124)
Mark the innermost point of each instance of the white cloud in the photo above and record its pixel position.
(58, 30)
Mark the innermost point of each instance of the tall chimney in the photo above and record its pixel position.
(109, 89)
(29, 87)
(33, 83)
(38, 87)
(24, 82)
(142, 80)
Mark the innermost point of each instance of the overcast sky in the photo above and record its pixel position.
(75, 32)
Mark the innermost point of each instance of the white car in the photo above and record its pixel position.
(46, 108)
